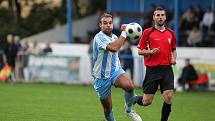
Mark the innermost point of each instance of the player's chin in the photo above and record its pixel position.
(108, 32)
(160, 23)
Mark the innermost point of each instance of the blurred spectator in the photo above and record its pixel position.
(195, 37)
(98, 15)
(198, 15)
(188, 74)
(116, 24)
(34, 49)
(77, 39)
(25, 46)
(10, 54)
(208, 20)
(17, 42)
(146, 23)
(1, 58)
(22, 59)
(126, 57)
(90, 36)
(186, 22)
(170, 20)
(47, 48)
(150, 13)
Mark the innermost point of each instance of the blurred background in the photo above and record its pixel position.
(51, 39)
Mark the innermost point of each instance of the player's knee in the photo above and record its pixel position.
(168, 98)
(147, 102)
(129, 87)
(108, 109)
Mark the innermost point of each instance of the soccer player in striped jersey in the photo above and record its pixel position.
(107, 70)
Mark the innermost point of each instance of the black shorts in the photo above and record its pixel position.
(158, 75)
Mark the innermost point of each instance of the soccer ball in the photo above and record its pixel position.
(133, 31)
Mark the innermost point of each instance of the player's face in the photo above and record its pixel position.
(106, 25)
(159, 17)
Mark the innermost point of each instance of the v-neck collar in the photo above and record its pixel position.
(160, 30)
(107, 35)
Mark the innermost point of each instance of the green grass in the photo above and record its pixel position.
(58, 102)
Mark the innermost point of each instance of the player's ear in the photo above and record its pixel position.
(154, 17)
(165, 17)
(100, 24)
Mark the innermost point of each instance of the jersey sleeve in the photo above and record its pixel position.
(142, 43)
(102, 42)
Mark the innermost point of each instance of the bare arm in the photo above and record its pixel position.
(116, 45)
(174, 55)
(145, 52)
(4, 58)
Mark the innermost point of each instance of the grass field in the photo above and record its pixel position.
(58, 102)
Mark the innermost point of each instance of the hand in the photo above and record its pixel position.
(173, 61)
(154, 50)
(123, 26)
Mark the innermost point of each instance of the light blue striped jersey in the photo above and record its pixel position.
(105, 62)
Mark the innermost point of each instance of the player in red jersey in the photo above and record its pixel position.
(158, 46)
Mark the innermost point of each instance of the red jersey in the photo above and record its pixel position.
(154, 38)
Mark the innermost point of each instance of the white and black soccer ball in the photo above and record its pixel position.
(133, 31)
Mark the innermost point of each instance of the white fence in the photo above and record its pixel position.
(202, 58)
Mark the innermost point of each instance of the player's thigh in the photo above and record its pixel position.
(107, 103)
(102, 87)
(150, 86)
(167, 82)
(123, 81)
(152, 80)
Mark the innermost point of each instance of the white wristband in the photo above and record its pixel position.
(123, 34)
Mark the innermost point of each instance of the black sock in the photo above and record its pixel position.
(166, 109)
(138, 100)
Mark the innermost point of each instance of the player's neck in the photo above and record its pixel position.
(161, 28)
(107, 34)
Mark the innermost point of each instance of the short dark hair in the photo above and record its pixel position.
(160, 9)
(105, 15)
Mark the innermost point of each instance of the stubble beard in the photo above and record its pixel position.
(160, 23)
(108, 32)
